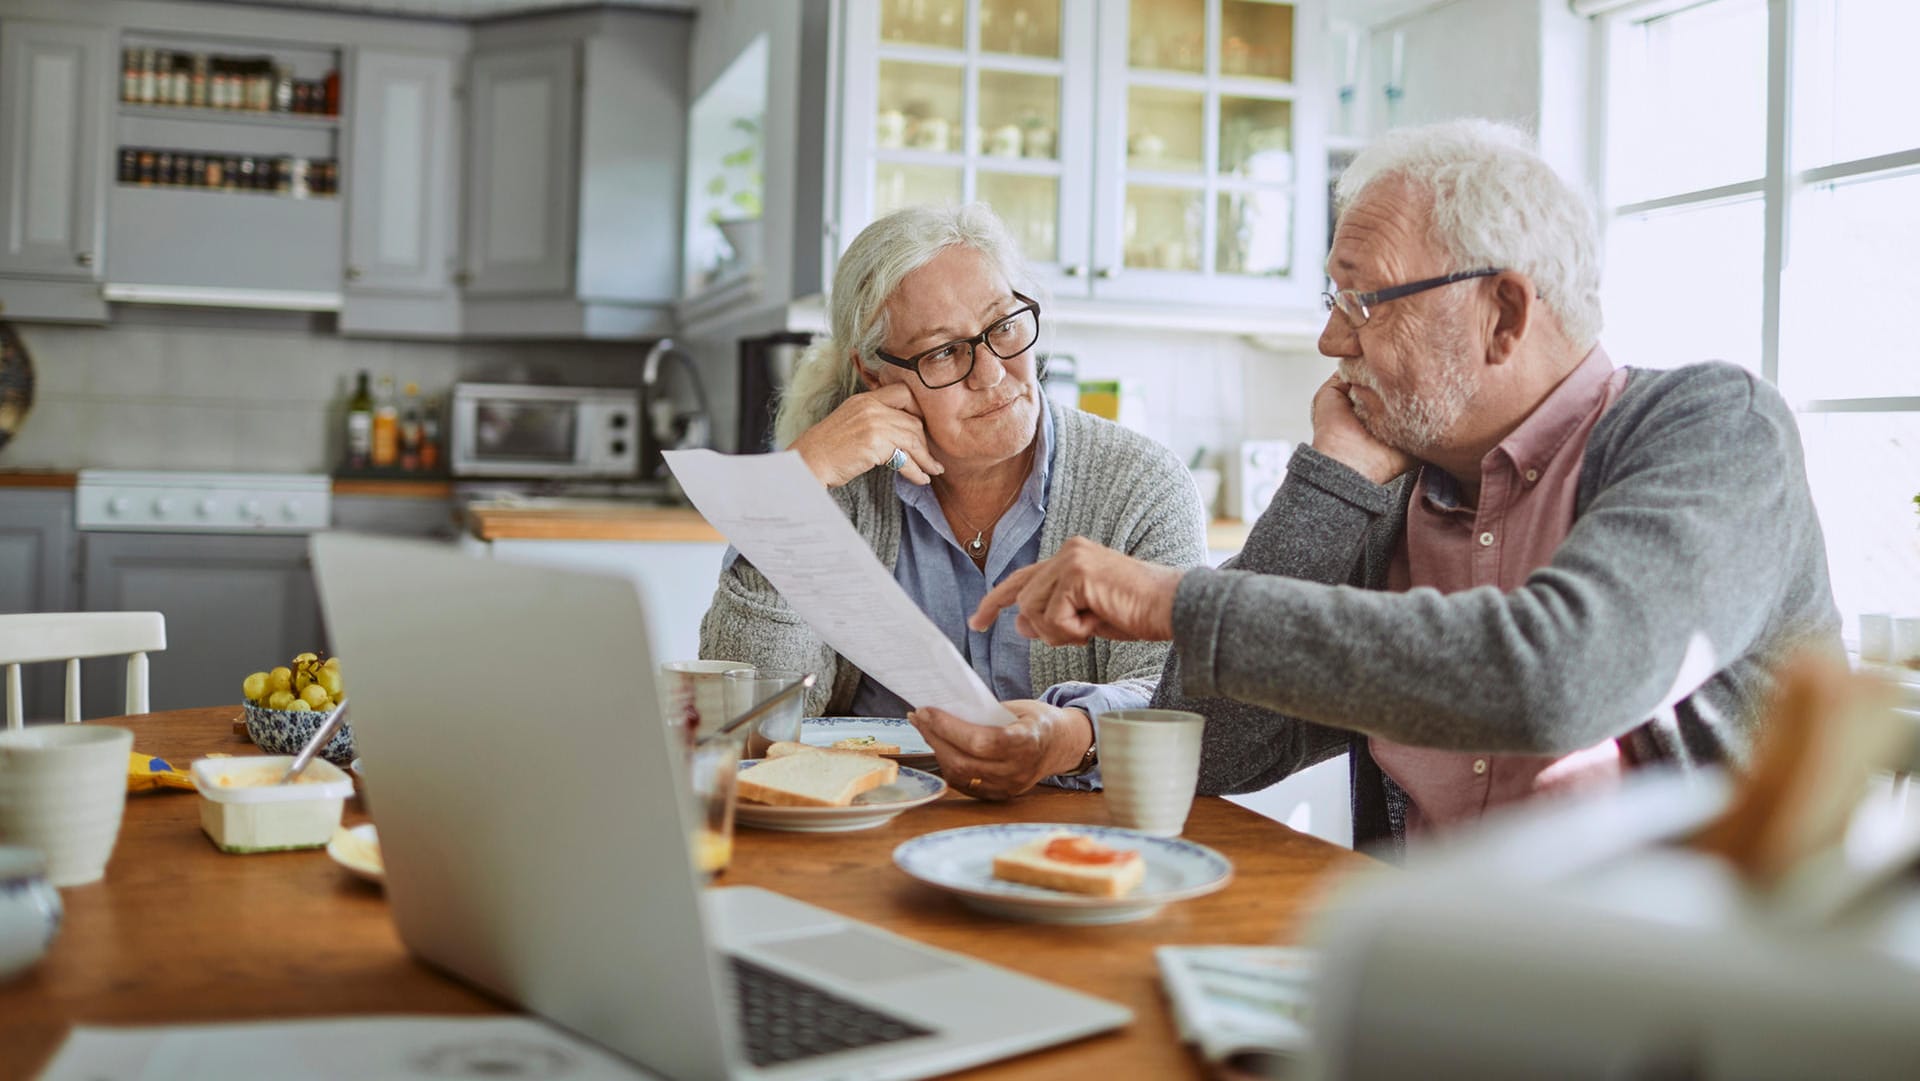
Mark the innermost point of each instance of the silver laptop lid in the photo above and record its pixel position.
(484, 693)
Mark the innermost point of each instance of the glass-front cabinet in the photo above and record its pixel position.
(1140, 150)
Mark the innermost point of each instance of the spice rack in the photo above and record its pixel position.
(221, 142)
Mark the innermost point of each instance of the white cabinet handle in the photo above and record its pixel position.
(84, 258)
(353, 273)
(1105, 272)
(1072, 270)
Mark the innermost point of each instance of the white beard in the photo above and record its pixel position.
(1417, 422)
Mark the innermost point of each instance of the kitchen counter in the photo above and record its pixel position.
(36, 478)
(576, 519)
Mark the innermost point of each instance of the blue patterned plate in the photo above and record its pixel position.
(824, 731)
(911, 789)
(960, 861)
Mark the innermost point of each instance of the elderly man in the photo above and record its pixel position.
(1504, 567)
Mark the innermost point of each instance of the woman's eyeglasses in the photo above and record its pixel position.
(944, 365)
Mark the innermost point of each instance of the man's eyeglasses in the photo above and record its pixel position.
(1008, 337)
(1358, 307)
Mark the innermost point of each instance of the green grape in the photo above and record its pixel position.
(300, 681)
(280, 679)
(300, 706)
(298, 657)
(329, 680)
(316, 696)
(254, 687)
(280, 700)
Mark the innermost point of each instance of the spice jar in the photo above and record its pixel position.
(216, 174)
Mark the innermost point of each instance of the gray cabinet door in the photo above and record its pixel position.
(233, 605)
(401, 213)
(36, 575)
(53, 118)
(523, 108)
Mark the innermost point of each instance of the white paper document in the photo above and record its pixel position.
(339, 1049)
(773, 509)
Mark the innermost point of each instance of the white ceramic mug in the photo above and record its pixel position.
(1149, 766)
(693, 694)
(62, 790)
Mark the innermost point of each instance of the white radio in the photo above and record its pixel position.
(1256, 475)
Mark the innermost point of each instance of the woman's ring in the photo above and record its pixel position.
(898, 461)
(973, 784)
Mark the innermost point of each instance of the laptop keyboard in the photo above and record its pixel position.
(783, 1019)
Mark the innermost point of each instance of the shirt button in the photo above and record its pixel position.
(1479, 765)
(1486, 540)
(1532, 475)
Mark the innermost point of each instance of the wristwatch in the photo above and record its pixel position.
(1088, 760)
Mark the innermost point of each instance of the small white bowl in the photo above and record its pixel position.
(29, 910)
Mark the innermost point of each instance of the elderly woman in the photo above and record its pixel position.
(922, 414)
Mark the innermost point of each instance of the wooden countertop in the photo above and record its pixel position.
(608, 521)
(393, 489)
(36, 478)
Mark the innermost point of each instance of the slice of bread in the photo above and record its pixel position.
(786, 747)
(1029, 864)
(815, 778)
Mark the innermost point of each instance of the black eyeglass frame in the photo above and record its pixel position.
(912, 364)
(1365, 302)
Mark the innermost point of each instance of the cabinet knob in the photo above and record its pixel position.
(353, 273)
(84, 258)
(1105, 272)
(1072, 270)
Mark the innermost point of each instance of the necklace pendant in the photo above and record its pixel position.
(976, 545)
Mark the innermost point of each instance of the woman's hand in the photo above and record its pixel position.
(863, 432)
(986, 762)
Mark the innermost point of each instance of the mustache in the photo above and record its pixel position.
(1353, 375)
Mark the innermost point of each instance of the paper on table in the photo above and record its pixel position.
(773, 509)
(340, 1049)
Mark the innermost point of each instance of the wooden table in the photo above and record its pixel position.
(180, 932)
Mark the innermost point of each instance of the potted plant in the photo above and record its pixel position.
(736, 191)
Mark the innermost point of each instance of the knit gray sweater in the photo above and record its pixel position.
(1107, 483)
(1694, 567)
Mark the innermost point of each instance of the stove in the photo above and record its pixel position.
(170, 502)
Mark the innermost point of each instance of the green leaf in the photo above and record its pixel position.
(717, 186)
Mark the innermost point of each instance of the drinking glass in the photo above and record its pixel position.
(747, 688)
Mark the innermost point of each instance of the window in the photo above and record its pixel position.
(1761, 179)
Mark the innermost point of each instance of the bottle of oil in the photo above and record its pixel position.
(360, 425)
(386, 427)
(410, 430)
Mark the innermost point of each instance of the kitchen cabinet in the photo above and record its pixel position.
(37, 575)
(54, 81)
(1161, 151)
(575, 128)
(233, 605)
(403, 210)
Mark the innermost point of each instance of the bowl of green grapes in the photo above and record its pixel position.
(285, 706)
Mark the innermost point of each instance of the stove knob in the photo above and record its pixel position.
(290, 510)
(117, 505)
(204, 508)
(161, 507)
(250, 510)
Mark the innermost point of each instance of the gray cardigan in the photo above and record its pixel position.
(1694, 537)
(1108, 484)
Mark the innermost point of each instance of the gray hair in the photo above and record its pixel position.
(870, 270)
(1496, 202)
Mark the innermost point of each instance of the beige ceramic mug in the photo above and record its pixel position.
(62, 790)
(1149, 767)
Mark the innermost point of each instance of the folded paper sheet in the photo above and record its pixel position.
(775, 512)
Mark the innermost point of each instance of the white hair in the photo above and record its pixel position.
(1496, 203)
(872, 267)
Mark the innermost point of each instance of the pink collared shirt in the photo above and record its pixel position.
(1527, 489)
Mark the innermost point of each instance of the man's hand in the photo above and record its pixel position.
(863, 432)
(1086, 591)
(1338, 434)
(986, 762)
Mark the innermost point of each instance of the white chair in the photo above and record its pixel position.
(71, 636)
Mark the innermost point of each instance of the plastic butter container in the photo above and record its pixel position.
(244, 808)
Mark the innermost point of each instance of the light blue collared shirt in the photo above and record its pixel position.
(935, 570)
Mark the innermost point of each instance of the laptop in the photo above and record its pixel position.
(534, 819)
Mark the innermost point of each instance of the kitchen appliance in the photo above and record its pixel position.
(147, 502)
(1257, 471)
(766, 368)
(514, 430)
(674, 403)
